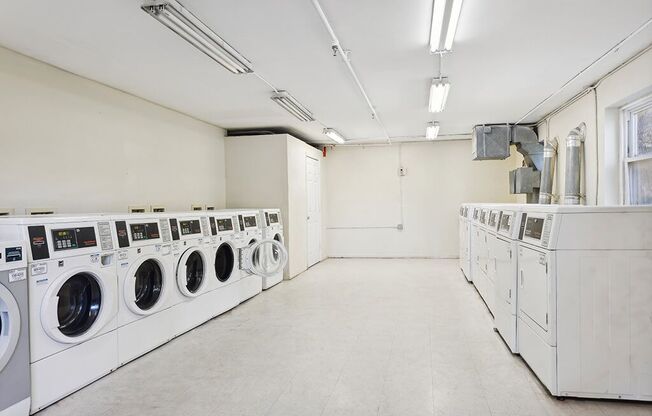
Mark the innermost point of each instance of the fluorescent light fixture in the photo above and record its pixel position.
(444, 22)
(438, 94)
(292, 106)
(432, 130)
(334, 135)
(185, 24)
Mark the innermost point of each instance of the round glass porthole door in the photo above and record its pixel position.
(79, 304)
(147, 285)
(275, 252)
(9, 326)
(191, 272)
(224, 262)
(260, 260)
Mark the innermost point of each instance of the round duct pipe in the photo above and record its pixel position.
(574, 155)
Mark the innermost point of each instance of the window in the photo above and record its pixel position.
(637, 152)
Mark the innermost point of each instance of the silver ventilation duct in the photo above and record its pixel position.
(548, 172)
(491, 142)
(574, 156)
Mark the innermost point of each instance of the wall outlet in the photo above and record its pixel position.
(7, 211)
(157, 208)
(138, 209)
(40, 211)
(197, 207)
(402, 171)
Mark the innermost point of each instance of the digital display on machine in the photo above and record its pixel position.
(146, 231)
(190, 227)
(250, 221)
(492, 219)
(534, 228)
(224, 224)
(71, 238)
(273, 218)
(505, 222)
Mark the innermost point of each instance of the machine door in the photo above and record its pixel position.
(505, 272)
(73, 307)
(9, 326)
(191, 272)
(533, 286)
(265, 258)
(144, 285)
(224, 262)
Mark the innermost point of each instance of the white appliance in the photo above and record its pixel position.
(272, 226)
(489, 287)
(14, 331)
(465, 240)
(474, 242)
(248, 238)
(505, 258)
(480, 250)
(146, 281)
(585, 299)
(73, 301)
(224, 287)
(192, 258)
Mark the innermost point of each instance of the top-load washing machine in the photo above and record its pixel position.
(146, 283)
(224, 288)
(191, 249)
(73, 301)
(273, 230)
(585, 299)
(504, 253)
(14, 330)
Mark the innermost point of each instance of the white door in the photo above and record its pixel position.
(313, 193)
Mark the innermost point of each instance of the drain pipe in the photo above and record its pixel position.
(344, 54)
(574, 154)
(548, 173)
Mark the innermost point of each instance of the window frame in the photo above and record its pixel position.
(628, 142)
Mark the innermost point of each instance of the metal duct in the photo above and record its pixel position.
(527, 144)
(574, 154)
(548, 172)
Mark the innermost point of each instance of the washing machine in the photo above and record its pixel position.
(224, 288)
(505, 260)
(146, 281)
(14, 331)
(191, 253)
(480, 250)
(474, 241)
(585, 299)
(73, 301)
(272, 225)
(491, 230)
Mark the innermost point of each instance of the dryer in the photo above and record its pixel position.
(14, 330)
(272, 225)
(465, 240)
(505, 259)
(192, 270)
(585, 299)
(73, 301)
(146, 281)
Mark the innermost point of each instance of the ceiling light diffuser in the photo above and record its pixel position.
(438, 94)
(334, 135)
(185, 24)
(445, 17)
(432, 130)
(292, 106)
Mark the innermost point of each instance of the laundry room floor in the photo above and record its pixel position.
(347, 337)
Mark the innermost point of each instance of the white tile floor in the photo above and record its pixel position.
(348, 337)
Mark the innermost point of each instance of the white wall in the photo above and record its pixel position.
(270, 171)
(78, 146)
(599, 109)
(365, 193)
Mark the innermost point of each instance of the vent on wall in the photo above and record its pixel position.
(40, 211)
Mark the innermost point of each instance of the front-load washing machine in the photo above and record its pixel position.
(146, 281)
(480, 250)
(585, 299)
(272, 226)
(191, 250)
(505, 257)
(224, 286)
(73, 301)
(14, 331)
(465, 240)
(491, 230)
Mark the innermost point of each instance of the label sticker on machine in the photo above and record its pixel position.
(17, 275)
(542, 259)
(95, 258)
(106, 241)
(39, 268)
(122, 255)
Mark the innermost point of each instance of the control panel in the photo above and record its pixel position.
(144, 231)
(224, 224)
(188, 227)
(73, 238)
(273, 218)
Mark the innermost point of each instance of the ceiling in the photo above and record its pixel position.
(508, 56)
